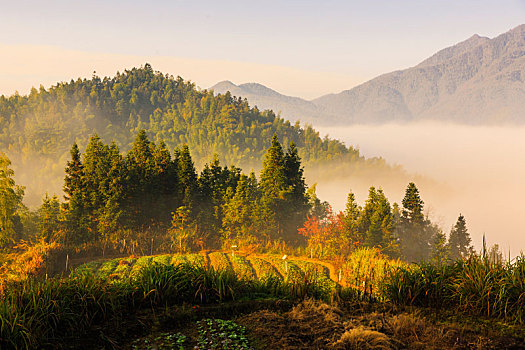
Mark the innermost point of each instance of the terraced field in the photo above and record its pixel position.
(246, 266)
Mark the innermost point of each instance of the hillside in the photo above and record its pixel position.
(477, 81)
(38, 129)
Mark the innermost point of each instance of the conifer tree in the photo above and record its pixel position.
(459, 241)
(275, 190)
(351, 219)
(96, 167)
(297, 206)
(240, 221)
(412, 205)
(165, 183)
(376, 222)
(414, 230)
(75, 194)
(187, 177)
(48, 217)
(10, 201)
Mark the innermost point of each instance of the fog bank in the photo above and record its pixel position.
(480, 171)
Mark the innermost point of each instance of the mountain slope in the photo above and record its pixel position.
(477, 81)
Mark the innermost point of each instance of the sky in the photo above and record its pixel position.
(300, 48)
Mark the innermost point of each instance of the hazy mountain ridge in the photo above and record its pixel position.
(292, 108)
(477, 81)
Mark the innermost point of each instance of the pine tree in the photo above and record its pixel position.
(96, 167)
(459, 241)
(298, 206)
(412, 205)
(48, 217)
(376, 222)
(10, 201)
(351, 219)
(275, 190)
(240, 222)
(165, 183)
(188, 185)
(414, 230)
(75, 194)
(141, 189)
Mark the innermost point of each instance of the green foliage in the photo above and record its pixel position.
(221, 334)
(10, 203)
(44, 123)
(49, 217)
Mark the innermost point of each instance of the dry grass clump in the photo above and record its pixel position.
(362, 338)
(408, 325)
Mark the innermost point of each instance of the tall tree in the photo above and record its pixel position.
(298, 205)
(10, 201)
(240, 213)
(376, 222)
(351, 219)
(188, 180)
(275, 190)
(459, 241)
(75, 193)
(414, 230)
(49, 217)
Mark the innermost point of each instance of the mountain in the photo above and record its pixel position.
(477, 81)
(293, 108)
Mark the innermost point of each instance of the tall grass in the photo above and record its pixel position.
(36, 313)
(476, 285)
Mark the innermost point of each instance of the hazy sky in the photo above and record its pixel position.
(303, 48)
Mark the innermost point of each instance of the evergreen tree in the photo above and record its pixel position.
(142, 191)
(96, 167)
(10, 202)
(188, 184)
(275, 190)
(165, 183)
(297, 206)
(351, 219)
(113, 212)
(414, 230)
(376, 222)
(459, 241)
(412, 205)
(240, 213)
(75, 193)
(48, 217)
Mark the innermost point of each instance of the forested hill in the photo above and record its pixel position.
(38, 129)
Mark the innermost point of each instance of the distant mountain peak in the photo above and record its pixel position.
(225, 84)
